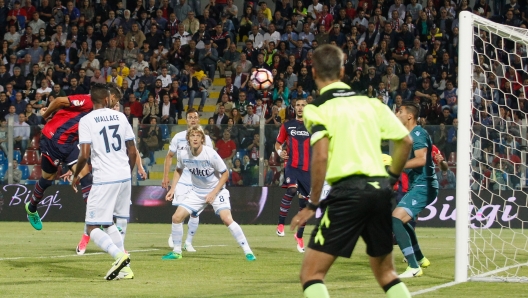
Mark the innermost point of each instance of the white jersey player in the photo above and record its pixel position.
(178, 143)
(106, 136)
(204, 164)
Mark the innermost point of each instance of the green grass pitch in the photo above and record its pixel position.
(44, 264)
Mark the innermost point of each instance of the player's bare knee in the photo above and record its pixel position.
(226, 217)
(401, 214)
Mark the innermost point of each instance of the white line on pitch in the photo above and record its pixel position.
(68, 256)
(432, 289)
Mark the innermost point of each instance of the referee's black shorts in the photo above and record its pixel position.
(356, 206)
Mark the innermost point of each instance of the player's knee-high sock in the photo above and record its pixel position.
(396, 289)
(193, 227)
(38, 193)
(115, 235)
(315, 289)
(122, 223)
(177, 235)
(104, 241)
(414, 241)
(302, 205)
(404, 242)
(86, 185)
(239, 236)
(285, 204)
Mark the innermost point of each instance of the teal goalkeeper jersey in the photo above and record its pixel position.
(425, 175)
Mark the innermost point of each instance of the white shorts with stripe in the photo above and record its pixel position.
(194, 201)
(107, 200)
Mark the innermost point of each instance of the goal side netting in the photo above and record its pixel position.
(492, 189)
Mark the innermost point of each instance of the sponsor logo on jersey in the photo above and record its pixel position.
(77, 102)
(299, 133)
(201, 172)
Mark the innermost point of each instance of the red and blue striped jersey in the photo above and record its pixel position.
(64, 125)
(297, 139)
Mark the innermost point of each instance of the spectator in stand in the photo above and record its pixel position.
(21, 132)
(150, 109)
(167, 111)
(136, 109)
(17, 173)
(115, 78)
(226, 148)
(446, 179)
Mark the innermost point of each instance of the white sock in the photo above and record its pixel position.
(193, 227)
(237, 232)
(104, 241)
(115, 235)
(122, 223)
(177, 235)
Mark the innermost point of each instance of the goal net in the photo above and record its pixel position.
(492, 244)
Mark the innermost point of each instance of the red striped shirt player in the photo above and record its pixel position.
(297, 169)
(60, 143)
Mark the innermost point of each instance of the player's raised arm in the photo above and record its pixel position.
(57, 104)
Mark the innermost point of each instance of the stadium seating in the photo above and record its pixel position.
(31, 157)
(35, 142)
(36, 173)
(165, 133)
(17, 155)
(2, 171)
(25, 171)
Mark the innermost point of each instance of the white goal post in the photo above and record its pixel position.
(491, 244)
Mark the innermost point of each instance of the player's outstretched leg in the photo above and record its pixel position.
(237, 233)
(300, 230)
(404, 242)
(85, 239)
(192, 228)
(284, 208)
(86, 186)
(422, 260)
(107, 242)
(36, 197)
(177, 234)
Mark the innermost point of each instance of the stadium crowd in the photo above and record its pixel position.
(163, 54)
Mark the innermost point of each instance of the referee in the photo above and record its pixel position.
(346, 140)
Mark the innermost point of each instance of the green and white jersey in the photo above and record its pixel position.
(355, 126)
(423, 176)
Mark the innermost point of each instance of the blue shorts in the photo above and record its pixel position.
(56, 153)
(298, 178)
(417, 199)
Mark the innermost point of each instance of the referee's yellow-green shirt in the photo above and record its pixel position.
(355, 126)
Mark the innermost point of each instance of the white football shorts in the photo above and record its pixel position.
(108, 200)
(195, 203)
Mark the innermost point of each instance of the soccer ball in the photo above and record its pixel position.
(261, 79)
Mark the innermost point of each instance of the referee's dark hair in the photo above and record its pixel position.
(412, 108)
(98, 93)
(328, 62)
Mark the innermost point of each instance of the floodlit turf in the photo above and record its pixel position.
(44, 264)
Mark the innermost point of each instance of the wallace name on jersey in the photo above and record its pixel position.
(106, 118)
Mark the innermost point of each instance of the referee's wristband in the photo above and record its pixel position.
(311, 206)
(393, 176)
